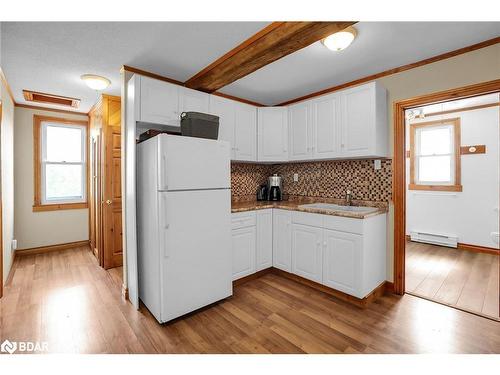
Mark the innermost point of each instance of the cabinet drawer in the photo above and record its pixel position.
(306, 218)
(343, 224)
(243, 220)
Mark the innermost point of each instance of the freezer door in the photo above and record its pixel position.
(195, 250)
(187, 163)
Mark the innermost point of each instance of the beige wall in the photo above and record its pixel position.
(33, 229)
(473, 67)
(7, 157)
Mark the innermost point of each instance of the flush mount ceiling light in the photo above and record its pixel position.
(96, 82)
(340, 40)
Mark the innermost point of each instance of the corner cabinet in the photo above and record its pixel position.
(282, 239)
(272, 134)
(237, 125)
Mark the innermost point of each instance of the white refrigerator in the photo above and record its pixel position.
(183, 224)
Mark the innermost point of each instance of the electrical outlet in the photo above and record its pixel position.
(295, 177)
(377, 164)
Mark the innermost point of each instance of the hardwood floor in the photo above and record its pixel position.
(455, 277)
(65, 299)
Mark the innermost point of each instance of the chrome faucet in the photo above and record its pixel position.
(348, 197)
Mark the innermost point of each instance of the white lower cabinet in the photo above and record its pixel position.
(243, 243)
(264, 251)
(282, 239)
(307, 252)
(341, 261)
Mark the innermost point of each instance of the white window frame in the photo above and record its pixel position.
(419, 156)
(44, 162)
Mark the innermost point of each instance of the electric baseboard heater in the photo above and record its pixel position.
(434, 239)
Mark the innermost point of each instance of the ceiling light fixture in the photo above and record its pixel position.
(96, 82)
(340, 40)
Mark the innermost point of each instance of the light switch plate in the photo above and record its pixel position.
(377, 164)
(295, 177)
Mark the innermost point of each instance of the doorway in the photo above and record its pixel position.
(444, 250)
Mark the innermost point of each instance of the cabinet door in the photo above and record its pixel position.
(192, 100)
(245, 132)
(307, 252)
(282, 240)
(342, 261)
(224, 108)
(358, 121)
(326, 127)
(273, 134)
(159, 102)
(299, 129)
(264, 254)
(243, 245)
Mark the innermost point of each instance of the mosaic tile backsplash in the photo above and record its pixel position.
(325, 179)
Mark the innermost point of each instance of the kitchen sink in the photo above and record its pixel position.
(338, 207)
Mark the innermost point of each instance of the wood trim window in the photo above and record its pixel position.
(435, 155)
(60, 150)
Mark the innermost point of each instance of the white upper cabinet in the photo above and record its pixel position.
(364, 121)
(237, 125)
(326, 127)
(272, 134)
(245, 132)
(192, 100)
(159, 102)
(299, 131)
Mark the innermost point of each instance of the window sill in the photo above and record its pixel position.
(435, 187)
(60, 206)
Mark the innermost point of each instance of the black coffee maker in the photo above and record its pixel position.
(274, 185)
(262, 193)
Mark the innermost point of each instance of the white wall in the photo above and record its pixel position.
(34, 229)
(472, 214)
(7, 156)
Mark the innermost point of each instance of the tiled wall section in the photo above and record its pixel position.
(326, 179)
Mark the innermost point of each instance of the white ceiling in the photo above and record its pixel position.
(379, 46)
(50, 57)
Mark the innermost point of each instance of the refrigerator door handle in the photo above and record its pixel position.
(162, 170)
(165, 239)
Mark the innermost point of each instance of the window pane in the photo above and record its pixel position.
(64, 144)
(435, 141)
(63, 181)
(434, 169)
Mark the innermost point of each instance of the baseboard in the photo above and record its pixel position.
(360, 302)
(50, 248)
(253, 276)
(125, 292)
(389, 287)
(473, 248)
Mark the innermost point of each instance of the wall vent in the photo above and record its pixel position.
(434, 239)
(41, 97)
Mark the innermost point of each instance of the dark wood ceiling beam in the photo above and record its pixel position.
(277, 40)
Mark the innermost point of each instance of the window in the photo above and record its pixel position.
(435, 155)
(60, 156)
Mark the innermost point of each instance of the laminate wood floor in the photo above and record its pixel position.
(455, 277)
(65, 299)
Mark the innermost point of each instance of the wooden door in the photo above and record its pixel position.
(95, 183)
(307, 252)
(111, 182)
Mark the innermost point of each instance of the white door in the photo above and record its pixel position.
(342, 261)
(243, 247)
(272, 134)
(192, 100)
(195, 249)
(326, 127)
(159, 102)
(282, 240)
(187, 163)
(299, 128)
(358, 121)
(307, 252)
(264, 253)
(245, 132)
(224, 108)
